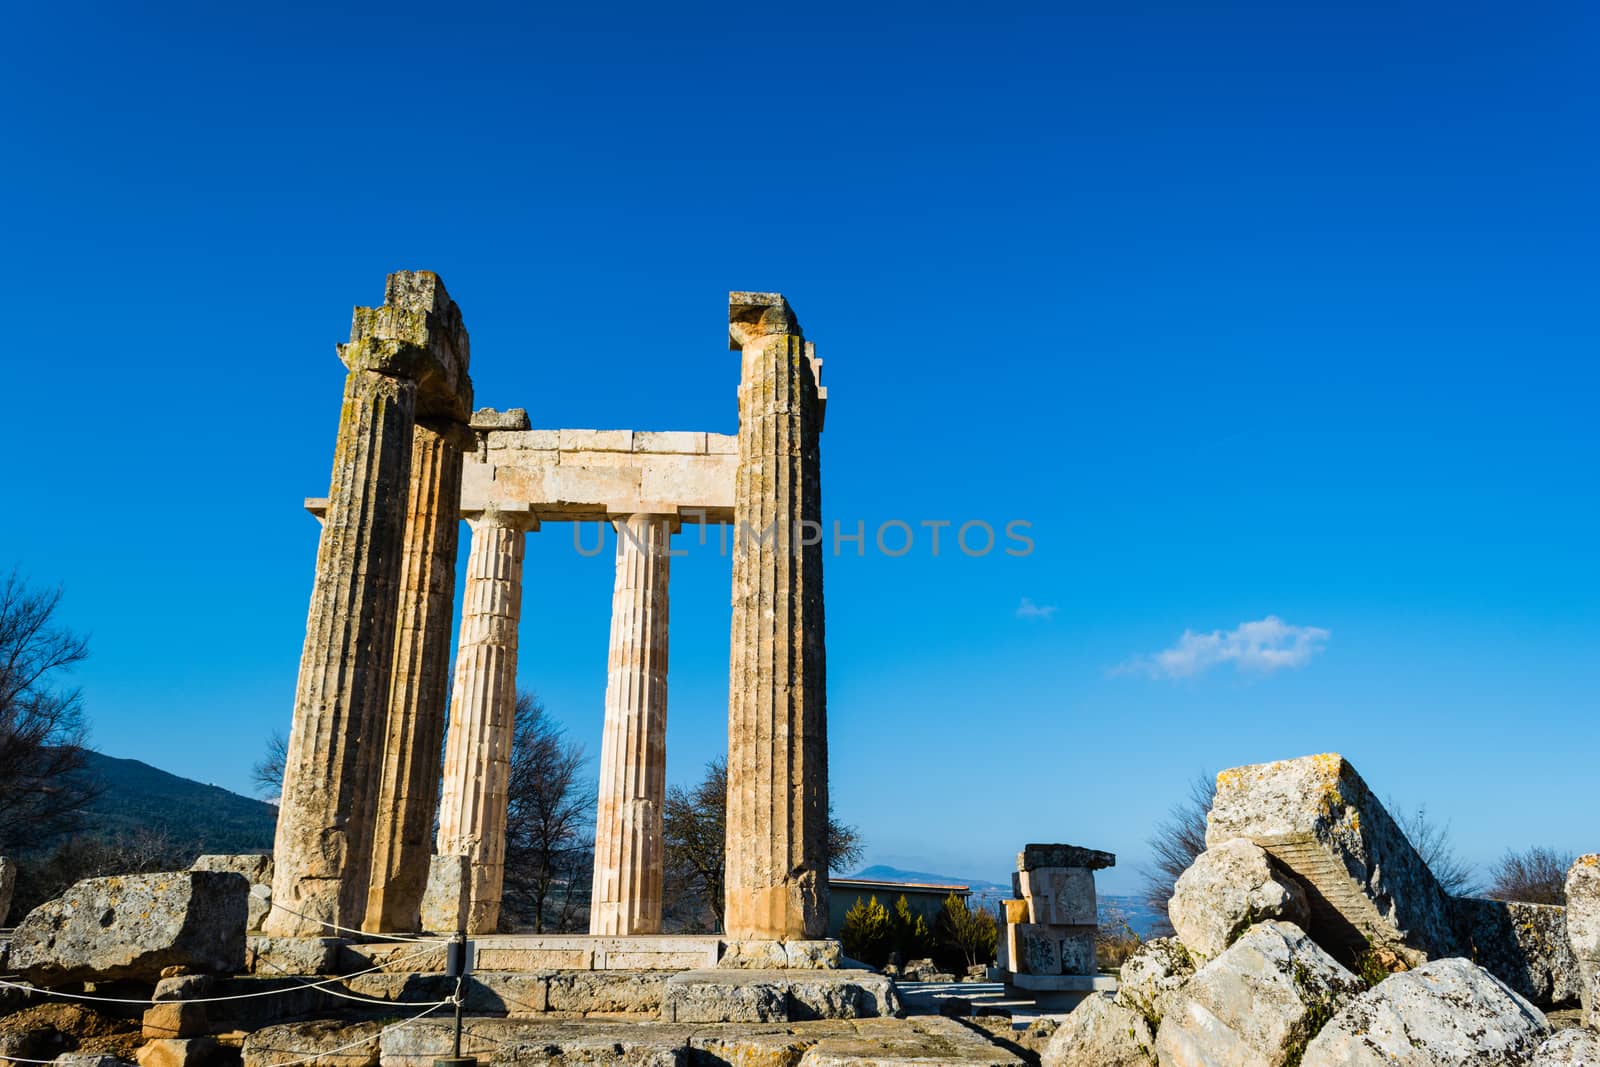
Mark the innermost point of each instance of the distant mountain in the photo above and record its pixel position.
(138, 797)
(1133, 910)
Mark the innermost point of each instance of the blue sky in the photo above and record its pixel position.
(1252, 311)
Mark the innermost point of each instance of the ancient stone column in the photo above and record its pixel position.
(408, 783)
(477, 760)
(777, 871)
(633, 748)
(406, 358)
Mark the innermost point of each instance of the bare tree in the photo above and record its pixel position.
(43, 732)
(1177, 840)
(1435, 845)
(268, 771)
(695, 830)
(549, 826)
(1536, 876)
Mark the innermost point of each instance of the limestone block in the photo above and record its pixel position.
(1446, 1013)
(255, 866)
(595, 440)
(1103, 1033)
(449, 894)
(525, 440)
(922, 1041)
(1523, 945)
(1035, 857)
(1227, 888)
(182, 987)
(570, 1044)
(669, 441)
(1152, 976)
(293, 955)
(8, 884)
(722, 444)
(1583, 929)
(1573, 1047)
(777, 996)
(1061, 896)
(1018, 911)
(607, 992)
(771, 955)
(175, 1018)
(181, 1052)
(289, 1042)
(490, 419)
(258, 906)
(1320, 823)
(1258, 1003)
(1044, 949)
(134, 926)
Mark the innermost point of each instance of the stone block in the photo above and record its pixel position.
(734, 996)
(1102, 1033)
(1061, 896)
(1227, 888)
(133, 927)
(490, 419)
(527, 440)
(722, 444)
(1366, 883)
(1034, 857)
(690, 441)
(595, 440)
(257, 906)
(1018, 912)
(291, 1042)
(1444, 1012)
(1583, 930)
(175, 1018)
(269, 956)
(1151, 977)
(1041, 949)
(607, 992)
(8, 884)
(255, 866)
(448, 897)
(1574, 1047)
(181, 1052)
(825, 954)
(1523, 945)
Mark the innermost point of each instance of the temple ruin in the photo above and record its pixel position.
(355, 848)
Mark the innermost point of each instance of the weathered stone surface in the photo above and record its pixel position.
(768, 955)
(1446, 1013)
(1033, 857)
(175, 1018)
(490, 419)
(929, 1041)
(180, 1052)
(89, 1059)
(1052, 949)
(413, 726)
(1060, 896)
(318, 1038)
(447, 902)
(503, 1043)
(1103, 1033)
(628, 847)
(255, 866)
(133, 926)
(1366, 883)
(1523, 945)
(1228, 887)
(292, 955)
(777, 996)
(8, 884)
(1258, 1003)
(182, 987)
(777, 868)
(1150, 977)
(477, 768)
(1574, 1047)
(1583, 929)
(607, 992)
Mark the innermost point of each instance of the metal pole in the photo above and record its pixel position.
(457, 965)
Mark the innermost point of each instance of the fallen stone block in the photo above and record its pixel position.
(1225, 889)
(777, 996)
(1366, 884)
(1103, 1033)
(1523, 945)
(1258, 1003)
(607, 992)
(1583, 930)
(181, 1052)
(501, 1041)
(1035, 857)
(330, 1043)
(268, 956)
(919, 1042)
(133, 927)
(175, 1018)
(255, 866)
(1446, 1013)
(1574, 1047)
(1150, 977)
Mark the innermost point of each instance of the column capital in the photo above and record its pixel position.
(752, 316)
(664, 515)
(416, 333)
(508, 516)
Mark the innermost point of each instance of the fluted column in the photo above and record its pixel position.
(408, 783)
(777, 868)
(633, 748)
(477, 761)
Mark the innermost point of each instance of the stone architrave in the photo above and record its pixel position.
(408, 357)
(628, 848)
(777, 869)
(419, 687)
(1366, 884)
(477, 761)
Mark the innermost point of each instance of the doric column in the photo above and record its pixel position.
(633, 748)
(477, 760)
(777, 870)
(407, 358)
(408, 783)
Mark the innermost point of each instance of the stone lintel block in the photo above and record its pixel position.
(595, 440)
(1318, 820)
(491, 419)
(1063, 896)
(526, 440)
(722, 444)
(752, 315)
(691, 441)
(772, 955)
(417, 334)
(1033, 857)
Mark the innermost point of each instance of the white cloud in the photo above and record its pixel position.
(1261, 647)
(1029, 610)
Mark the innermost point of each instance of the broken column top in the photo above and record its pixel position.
(418, 334)
(491, 419)
(752, 315)
(1038, 857)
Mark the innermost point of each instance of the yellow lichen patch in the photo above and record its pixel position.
(1591, 860)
